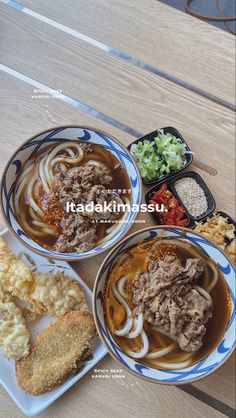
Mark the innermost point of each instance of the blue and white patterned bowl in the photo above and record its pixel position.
(204, 367)
(53, 136)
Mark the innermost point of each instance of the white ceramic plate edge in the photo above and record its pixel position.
(99, 351)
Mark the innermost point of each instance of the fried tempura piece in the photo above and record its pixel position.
(56, 294)
(15, 276)
(14, 336)
(56, 353)
(217, 229)
(4, 295)
(51, 293)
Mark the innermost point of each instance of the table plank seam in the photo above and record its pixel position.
(69, 100)
(88, 109)
(208, 400)
(124, 56)
(193, 391)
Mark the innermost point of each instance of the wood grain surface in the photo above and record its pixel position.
(123, 92)
(126, 397)
(35, 115)
(191, 50)
(144, 102)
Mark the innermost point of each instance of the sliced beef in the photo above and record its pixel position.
(166, 295)
(78, 234)
(82, 185)
(89, 175)
(99, 195)
(76, 183)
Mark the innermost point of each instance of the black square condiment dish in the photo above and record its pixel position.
(217, 212)
(224, 215)
(154, 189)
(150, 137)
(171, 181)
(210, 199)
(230, 220)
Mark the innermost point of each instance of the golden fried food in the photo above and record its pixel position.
(14, 336)
(47, 293)
(4, 295)
(56, 353)
(15, 276)
(56, 294)
(217, 229)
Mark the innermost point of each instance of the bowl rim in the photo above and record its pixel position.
(136, 374)
(58, 257)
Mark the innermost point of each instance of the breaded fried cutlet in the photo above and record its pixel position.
(56, 353)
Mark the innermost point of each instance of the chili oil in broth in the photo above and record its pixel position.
(115, 313)
(55, 212)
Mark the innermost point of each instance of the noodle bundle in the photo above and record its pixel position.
(161, 300)
(71, 173)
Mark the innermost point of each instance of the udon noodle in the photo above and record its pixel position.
(166, 304)
(73, 172)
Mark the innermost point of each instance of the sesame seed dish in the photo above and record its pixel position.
(192, 196)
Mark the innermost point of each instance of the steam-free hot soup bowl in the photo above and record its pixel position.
(36, 146)
(105, 317)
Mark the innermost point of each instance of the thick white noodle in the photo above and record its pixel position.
(144, 350)
(164, 333)
(161, 352)
(44, 227)
(129, 321)
(172, 366)
(215, 277)
(43, 178)
(37, 186)
(36, 220)
(48, 173)
(28, 228)
(25, 172)
(138, 327)
(95, 163)
(138, 321)
(18, 193)
(68, 160)
(33, 214)
(29, 195)
(64, 145)
(53, 158)
(71, 152)
(120, 286)
(117, 226)
(50, 161)
(24, 177)
(186, 356)
(204, 293)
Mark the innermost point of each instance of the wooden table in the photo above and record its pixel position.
(127, 68)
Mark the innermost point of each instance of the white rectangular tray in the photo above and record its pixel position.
(32, 405)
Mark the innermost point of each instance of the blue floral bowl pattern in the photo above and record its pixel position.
(38, 143)
(199, 370)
